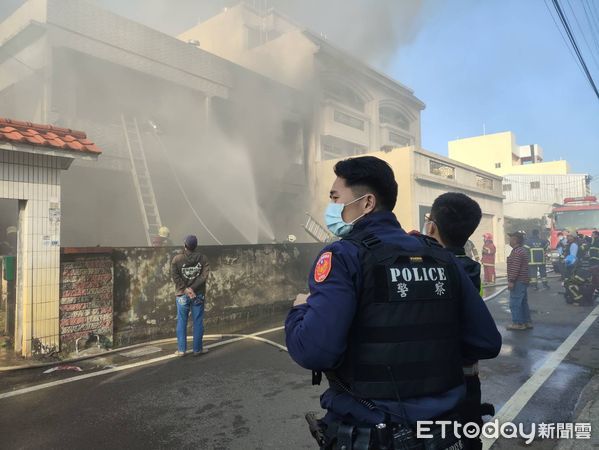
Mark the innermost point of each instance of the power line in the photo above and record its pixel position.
(593, 7)
(590, 19)
(583, 34)
(564, 21)
(564, 38)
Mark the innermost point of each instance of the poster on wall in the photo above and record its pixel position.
(54, 213)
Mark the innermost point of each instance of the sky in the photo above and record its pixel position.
(502, 66)
(494, 65)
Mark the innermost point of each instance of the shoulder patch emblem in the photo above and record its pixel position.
(323, 267)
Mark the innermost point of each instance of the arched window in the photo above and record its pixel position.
(393, 117)
(343, 94)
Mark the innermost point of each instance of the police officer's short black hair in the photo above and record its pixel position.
(457, 216)
(371, 173)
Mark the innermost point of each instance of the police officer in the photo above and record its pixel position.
(390, 317)
(537, 266)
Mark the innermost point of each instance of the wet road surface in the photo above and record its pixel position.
(248, 394)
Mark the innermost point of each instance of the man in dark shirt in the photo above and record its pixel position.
(189, 270)
(518, 279)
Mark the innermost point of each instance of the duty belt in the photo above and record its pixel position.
(470, 371)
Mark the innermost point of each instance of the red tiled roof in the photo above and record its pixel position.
(49, 136)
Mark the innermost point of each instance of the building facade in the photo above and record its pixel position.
(531, 185)
(191, 141)
(532, 196)
(356, 109)
(500, 154)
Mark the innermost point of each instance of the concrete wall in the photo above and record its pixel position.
(484, 152)
(560, 167)
(287, 58)
(546, 190)
(246, 283)
(86, 296)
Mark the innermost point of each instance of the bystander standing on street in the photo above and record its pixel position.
(189, 270)
(518, 279)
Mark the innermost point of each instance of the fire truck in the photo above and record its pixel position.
(579, 213)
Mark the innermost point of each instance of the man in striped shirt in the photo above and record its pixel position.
(518, 279)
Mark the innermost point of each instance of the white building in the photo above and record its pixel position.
(356, 108)
(532, 196)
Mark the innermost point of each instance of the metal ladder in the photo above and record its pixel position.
(316, 230)
(141, 178)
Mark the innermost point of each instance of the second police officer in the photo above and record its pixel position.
(389, 319)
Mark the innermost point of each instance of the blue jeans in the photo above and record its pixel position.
(184, 306)
(519, 303)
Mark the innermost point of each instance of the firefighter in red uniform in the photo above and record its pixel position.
(488, 259)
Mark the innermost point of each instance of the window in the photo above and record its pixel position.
(484, 183)
(535, 185)
(587, 218)
(348, 120)
(398, 139)
(393, 117)
(498, 165)
(507, 187)
(343, 94)
(335, 148)
(442, 170)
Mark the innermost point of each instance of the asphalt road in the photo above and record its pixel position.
(248, 394)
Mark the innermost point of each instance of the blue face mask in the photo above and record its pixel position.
(334, 220)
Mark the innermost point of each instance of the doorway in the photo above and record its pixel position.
(9, 214)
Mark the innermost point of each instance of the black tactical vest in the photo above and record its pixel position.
(536, 252)
(405, 339)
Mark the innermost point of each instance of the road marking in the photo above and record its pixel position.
(241, 337)
(143, 351)
(518, 401)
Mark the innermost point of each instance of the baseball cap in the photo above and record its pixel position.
(191, 242)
